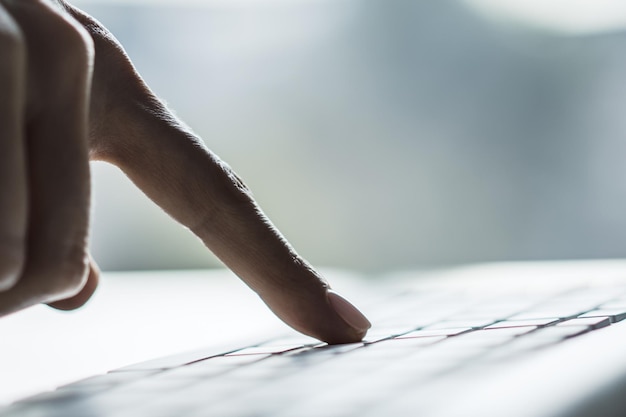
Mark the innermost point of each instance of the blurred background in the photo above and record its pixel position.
(387, 134)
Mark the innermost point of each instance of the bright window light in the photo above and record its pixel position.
(566, 16)
(227, 3)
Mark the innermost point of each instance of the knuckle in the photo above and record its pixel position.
(71, 49)
(230, 188)
(76, 38)
(57, 43)
(232, 202)
(59, 53)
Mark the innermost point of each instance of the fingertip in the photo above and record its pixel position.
(323, 314)
(346, 323)
(348, 312)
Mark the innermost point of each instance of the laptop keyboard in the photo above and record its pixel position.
(417, 340)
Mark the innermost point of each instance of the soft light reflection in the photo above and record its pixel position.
(567, 16)
(131, 318)
(178, 3)
(134, 317)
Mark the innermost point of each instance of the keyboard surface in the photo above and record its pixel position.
(421, 343)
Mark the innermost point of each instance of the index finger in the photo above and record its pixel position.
(200, 191)
(176, 170)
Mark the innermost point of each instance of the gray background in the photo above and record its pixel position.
(382, 134)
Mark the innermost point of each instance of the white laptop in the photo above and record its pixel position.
(522, 339)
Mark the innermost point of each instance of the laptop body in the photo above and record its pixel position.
(440, 345)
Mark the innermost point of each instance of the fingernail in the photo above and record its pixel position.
(349, 313)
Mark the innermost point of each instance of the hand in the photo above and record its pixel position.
(69, 93)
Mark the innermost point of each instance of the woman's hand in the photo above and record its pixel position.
(68, 94)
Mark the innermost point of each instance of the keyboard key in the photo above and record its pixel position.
(413, 342)
(162, 383)
(615, 315)
(378, 334)
(169, 361)
(518, 347)
(54, 397)
(451, 353)
(213, 367)
(522, 323)
(451, 324)
(436, 332)
(337, 349)
(559, 332)
(300, 340)
(484, 338)
(227, 360)
(593, 323)
(260, 350)
(547, 314)
(108, 380)
(260, 371)
(510, 331)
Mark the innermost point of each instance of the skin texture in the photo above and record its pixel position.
(70, 94)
